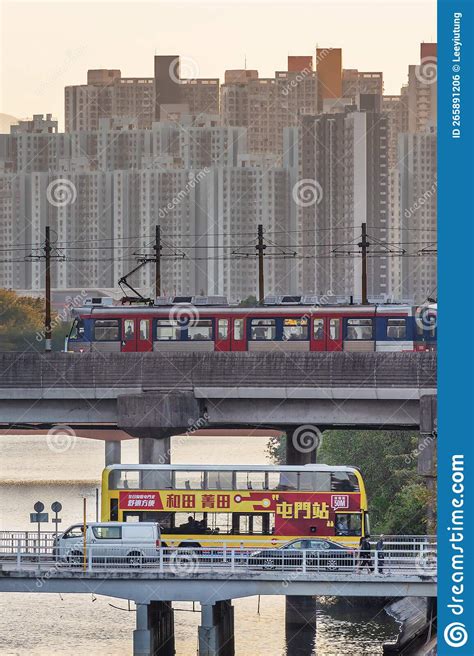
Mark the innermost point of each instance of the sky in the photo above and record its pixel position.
(48, 45)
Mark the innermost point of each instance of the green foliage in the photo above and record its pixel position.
(397, 495)
(250, 301)
(22, 324)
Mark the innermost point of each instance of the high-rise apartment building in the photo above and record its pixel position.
(422, 90)
(329, 70)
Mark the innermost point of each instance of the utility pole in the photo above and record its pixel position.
(260, 247)
(47, 314)
(364, 244)
(157, 248)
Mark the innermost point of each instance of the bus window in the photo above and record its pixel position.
(250, 480)
(106, 330)
(167, 330)
(155, 479)
(219, 480)
(359, 329)
(273, 480)
(294, 329)
(188, 480)
(288, 481)
(120, 479)
(318, 328)
(200, 330)
(238, 328)
(344, 482)
(315, 481)
(348, 524)
(219, 523)
(223, 328)
(263, 329)
(250, 524)
(396, 329)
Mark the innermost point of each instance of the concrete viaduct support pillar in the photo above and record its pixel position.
(154, 451)
(216, 633)
(113, 452)
(154, 635)
(300, 611)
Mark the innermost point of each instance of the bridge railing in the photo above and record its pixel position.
(187, 561)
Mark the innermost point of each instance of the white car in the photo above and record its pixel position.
(116, 542)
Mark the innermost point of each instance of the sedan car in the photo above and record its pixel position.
(319, 554)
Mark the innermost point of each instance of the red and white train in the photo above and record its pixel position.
(285, 323)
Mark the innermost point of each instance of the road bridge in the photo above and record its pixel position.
(212, 577)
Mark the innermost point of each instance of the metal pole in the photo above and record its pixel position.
(157, 248)
(47, 316)
(84, 555)
(260, 247)
(96, 504)
(39, 541)
(364, 244)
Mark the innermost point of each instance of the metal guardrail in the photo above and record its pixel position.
(415, 559)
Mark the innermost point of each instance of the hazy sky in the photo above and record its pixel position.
(47, 45)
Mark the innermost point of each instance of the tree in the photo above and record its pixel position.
(22, 324)
(397, 495)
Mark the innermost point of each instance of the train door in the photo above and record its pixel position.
(326, 334)
(136, 335)
(238, 335)
(222, 334)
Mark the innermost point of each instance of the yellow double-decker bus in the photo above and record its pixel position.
(245, 505)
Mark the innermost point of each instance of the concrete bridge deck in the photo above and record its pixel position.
(141, 392)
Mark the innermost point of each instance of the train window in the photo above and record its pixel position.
(238, 328)
(223, 328)
(219, 480)
(144, 329)
(167, 330)
(129, 329)
(77, 330)
(263, 329)
(334, 328)
(294, 329)
(359, 329)
(318, 328)
(396, 328)
(106, 330)
(342, 481)
(189, 480)
(200, 330)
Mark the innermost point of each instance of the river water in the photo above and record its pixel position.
(83, 625)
